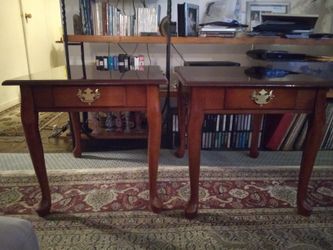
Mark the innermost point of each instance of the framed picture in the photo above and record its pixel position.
(188, 19)
(255, 9)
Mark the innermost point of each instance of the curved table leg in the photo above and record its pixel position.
(75, 119)
(256, 121)
(154, 142)
(196, 117)
(29, 117)
(311, 147)
(181, 122)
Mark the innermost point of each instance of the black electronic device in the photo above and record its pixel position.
(321, 35)
(262, 54)
(259, 72)
(286, 23)
(211, 63)
(187, 19)
(308, 21)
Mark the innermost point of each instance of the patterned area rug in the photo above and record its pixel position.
(10, 121)
(240, 208)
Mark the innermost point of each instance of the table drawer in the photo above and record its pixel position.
(106, 96)
(213, 98)
(269, 98)
(89, 95)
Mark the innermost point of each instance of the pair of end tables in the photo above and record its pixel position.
(201, 90)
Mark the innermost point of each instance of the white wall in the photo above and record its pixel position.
(13, 58)
(41, 32)
(54, 25)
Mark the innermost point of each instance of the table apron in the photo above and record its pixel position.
(89, 98)
(258, 99)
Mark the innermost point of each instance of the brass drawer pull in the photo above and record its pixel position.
(88, 95)
(262, 97)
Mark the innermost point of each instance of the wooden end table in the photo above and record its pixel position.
(229, 90)
(107, 91)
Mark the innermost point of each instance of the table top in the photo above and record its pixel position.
(194, 76)
(150, 75)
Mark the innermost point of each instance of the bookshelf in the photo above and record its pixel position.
(240, 39)
(221, 132)
(243, 39)
(117, 39)
(88, 125)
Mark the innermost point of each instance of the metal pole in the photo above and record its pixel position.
(166, 108)
(64, 26)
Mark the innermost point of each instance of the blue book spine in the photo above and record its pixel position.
(115, 62)
(110, 62)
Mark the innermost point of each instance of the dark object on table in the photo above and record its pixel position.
(210, 63)
(321, 35)
(263, 54)
(281, 24)
(264, 72)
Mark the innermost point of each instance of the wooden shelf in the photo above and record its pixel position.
(249, 40)
(173, 93)
(239, 40)
(117, 135)
(117, 39)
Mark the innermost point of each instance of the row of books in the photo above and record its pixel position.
(290, 132)
(101, 17)
(222, 132)
(278, 132)
(121, 62)
(327, 142)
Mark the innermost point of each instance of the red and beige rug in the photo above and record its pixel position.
(127, 190)
(240, 208)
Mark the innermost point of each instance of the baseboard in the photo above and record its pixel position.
(8, 104)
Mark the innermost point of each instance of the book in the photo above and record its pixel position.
(97, 17)
(188, 19)
(146, 20)
(280, 131)
(181, 19)
(294, 132)
(301, 137)
(328, 130)
(121, 62)
(85, 12)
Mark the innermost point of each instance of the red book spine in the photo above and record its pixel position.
(280, 132)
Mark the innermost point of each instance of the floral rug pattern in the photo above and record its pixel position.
(128, 191)
(239, 209)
